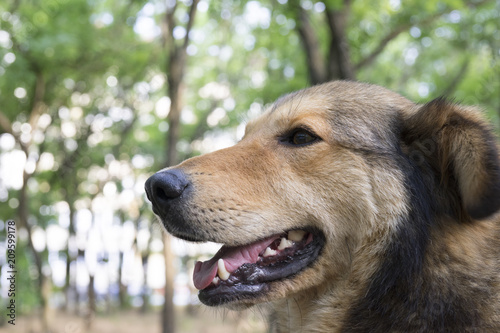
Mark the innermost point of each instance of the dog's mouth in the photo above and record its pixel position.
(246, 272)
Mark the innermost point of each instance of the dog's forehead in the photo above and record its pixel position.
(292, 114)
(343, 104)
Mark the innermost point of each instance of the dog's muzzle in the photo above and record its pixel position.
(164, 188)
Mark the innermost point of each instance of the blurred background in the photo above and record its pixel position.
(95, 96)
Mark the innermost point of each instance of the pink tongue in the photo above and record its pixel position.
(234, 257)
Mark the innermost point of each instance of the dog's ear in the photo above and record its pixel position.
(455, 142)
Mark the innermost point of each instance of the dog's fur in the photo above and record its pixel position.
(406, 196)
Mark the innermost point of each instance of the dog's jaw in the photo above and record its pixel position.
(266, 264)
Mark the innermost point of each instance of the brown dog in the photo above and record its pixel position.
(350, 209)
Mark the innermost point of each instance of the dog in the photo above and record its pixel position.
(348, 208)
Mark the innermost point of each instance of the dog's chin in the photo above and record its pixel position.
(264, 277)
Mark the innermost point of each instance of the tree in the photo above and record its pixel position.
(53, 67)
(175, 68)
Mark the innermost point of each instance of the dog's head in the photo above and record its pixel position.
(322, 173)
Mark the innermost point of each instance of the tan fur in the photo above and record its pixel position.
(350, 186)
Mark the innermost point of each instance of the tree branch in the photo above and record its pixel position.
(202, 126)
(398, 30)
(39, 106)
(189, 26)
(390, 36)
(458, 78)
(168, 24)
(175, 66)
(6, 125)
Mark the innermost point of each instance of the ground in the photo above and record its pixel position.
(204, 321)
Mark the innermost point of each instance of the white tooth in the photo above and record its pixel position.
(221, 270)
(284, 243)
(269, 252)
(215, 280)
(296, 235)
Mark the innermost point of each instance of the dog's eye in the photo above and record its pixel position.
(301, 137)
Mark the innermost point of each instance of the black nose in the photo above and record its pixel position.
(164, 186)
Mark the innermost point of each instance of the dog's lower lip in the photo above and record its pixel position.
(252, 280)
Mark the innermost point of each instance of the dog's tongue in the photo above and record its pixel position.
(234, 257)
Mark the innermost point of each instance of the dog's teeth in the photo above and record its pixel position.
(269, 252)
(284, 244)
(221, 270)
(296, 235)
(215, 281)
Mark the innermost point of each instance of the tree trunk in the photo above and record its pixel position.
(339, 64)
(47, 316)
(122, 289)
(174, 117)
(37, 108)
(68, 288)
(79, 297)
(175, 68)
(44, 285)
(315, 60)
(168, 320)
(91, 305)
(145, 264)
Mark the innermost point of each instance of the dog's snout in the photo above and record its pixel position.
(164, 186)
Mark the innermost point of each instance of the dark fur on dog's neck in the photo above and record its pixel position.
(403, 295)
